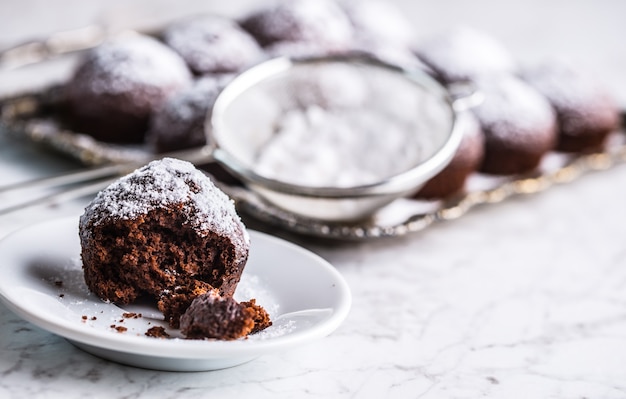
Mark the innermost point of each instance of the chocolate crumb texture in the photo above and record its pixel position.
(261, 317)
(157, 332)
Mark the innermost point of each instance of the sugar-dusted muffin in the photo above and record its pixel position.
(317, 21)
(382, 31)
(464, 53)
(213, 44)
(466, 161)
(118, 84)
(299, 49)
(164, 232)
(586, 111)
(180, 122)
(379, 23)
(519, 124)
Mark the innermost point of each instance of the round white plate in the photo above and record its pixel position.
(43, 282)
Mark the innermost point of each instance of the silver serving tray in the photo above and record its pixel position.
(22, 116)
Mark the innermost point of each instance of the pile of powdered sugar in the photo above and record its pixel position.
(345, 128)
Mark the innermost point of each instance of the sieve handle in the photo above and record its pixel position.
(465, 96)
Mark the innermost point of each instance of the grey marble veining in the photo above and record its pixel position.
(523, 299)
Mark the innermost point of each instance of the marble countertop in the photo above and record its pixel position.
(522, 299)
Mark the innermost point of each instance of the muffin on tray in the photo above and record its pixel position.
(119, 83)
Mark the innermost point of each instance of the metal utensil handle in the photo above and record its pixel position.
(92, 179)
(465, 96)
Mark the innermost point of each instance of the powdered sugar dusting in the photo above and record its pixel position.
(582, 102)
(197, 99)
(179, 123)
(212, 44)
(321, 21)
(379, 23)
(560, 82)
(513, 110)
(296, 49)
(253, 286)
(330, 86)
(163, 184)
(122, 64)
(464, 53)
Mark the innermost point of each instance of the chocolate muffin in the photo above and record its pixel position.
(378, 30)
(319, 21)
(464, 53)
(381, 31)
(213, 316)
(466, 161)
(118, 85)
(164, 232)
(378, 24)
(519, 124)
(180, 122)
(213, 44)
(585, 110)
(299, 50)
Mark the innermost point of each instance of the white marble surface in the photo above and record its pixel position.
(524, 299)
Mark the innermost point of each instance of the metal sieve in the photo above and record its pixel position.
(246, 114)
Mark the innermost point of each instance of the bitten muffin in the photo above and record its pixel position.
(464, 53)
(164, 232)
(519, 124)
(119, 84)
(213, 44)
(586, 111)
(466, 161)
(317, 21)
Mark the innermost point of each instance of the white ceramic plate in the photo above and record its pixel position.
(43, 283)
